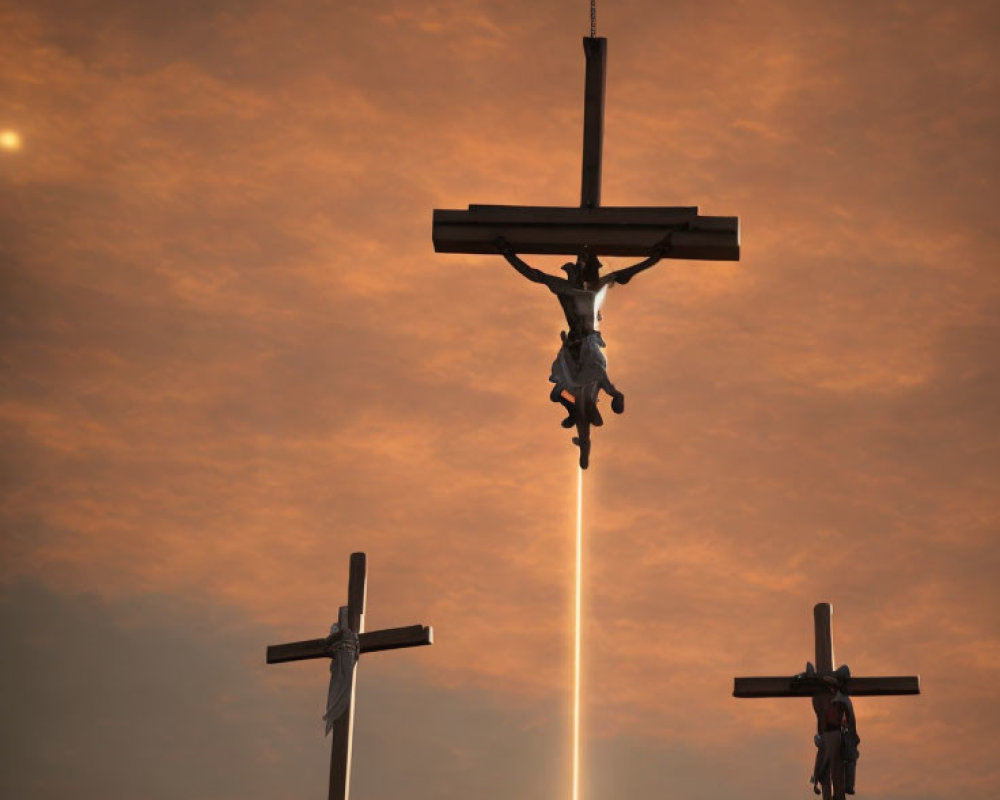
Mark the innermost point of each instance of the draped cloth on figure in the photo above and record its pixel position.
(346, 647)
(572, 372)
(836, 738)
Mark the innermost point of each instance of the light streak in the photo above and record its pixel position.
(576, 639)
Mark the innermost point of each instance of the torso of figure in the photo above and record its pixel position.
(830, 712)
(582, 307)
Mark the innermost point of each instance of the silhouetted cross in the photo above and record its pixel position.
(824, 686)
(370, 642)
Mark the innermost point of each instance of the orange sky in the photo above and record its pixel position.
(230, 358)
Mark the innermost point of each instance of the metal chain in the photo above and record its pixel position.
(593, 18)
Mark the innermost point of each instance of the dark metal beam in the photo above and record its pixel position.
(371, 642)
(630, 231)
(357, 591)
(396, 638)
(596, 51)
(298, 651)
(823, 628)
(855, 687)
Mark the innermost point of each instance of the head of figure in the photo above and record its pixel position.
(837, 682)
(834, 683)
(585, 272)
(574, 273)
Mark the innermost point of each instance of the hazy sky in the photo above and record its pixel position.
(230, 357)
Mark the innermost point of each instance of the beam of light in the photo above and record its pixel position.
(576, 639)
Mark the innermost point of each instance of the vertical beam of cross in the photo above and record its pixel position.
(342, 735)
(822, 614)
(596, 51)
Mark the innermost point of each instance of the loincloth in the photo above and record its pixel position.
(580, 363)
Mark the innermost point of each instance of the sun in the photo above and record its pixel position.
(10, 140)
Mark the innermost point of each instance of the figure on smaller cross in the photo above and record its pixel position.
(836, 737)
(345, 646)
(579, 371)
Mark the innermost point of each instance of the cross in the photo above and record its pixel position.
(812, 685)
(369, 642)
(613, 231)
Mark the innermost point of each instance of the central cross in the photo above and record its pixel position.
(611, 231)
(587, 232)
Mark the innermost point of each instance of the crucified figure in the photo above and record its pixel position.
(579, 371)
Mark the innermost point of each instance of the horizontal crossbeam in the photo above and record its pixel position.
(609, 231)
(299, 651)
(371, 642)
(855, 687)
(395, 638)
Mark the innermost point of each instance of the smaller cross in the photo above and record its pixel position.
(812, 684)
(368, 642)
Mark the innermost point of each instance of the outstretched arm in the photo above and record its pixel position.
(528, 271)
(623, 276)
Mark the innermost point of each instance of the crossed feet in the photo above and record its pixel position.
(617, 405)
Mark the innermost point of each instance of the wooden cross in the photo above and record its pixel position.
(370, 642)
(809, 687)
(809, 684)
(613, 231)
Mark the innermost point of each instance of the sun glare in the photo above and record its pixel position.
(10, 140)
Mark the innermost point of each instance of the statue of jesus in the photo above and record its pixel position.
(579, 371)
